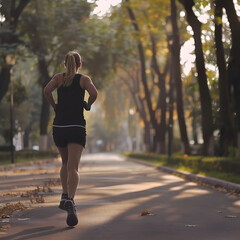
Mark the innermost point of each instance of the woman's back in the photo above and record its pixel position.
(69, 109)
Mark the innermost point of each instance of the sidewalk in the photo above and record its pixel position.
(110, 199)
(211, 182)
(7, 167)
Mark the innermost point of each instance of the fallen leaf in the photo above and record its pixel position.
(11, 194)
(23, 219)
(4, 220)
(7, 210)
(145, 213)
(191, 225)
(40, 199)
(230, 216)
(6, 226)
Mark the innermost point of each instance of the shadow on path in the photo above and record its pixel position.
(36, 232)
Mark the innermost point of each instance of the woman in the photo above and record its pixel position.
(69, 125)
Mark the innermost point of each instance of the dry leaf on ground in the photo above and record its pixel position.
(230, 216)
(145, 213)
(191, 225)
(7, 210)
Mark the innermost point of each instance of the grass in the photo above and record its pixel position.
(211, 167)
(25, 156)
(231, 177)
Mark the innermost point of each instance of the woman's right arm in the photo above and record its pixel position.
(53, 84)
(88, 85)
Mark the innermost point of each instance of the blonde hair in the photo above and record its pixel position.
(72, 62)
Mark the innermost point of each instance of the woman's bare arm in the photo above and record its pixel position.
(51, 86)
(88, 85)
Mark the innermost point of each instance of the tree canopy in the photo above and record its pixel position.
(143, 47)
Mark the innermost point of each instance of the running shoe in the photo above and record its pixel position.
(63, 200)
(70, 207)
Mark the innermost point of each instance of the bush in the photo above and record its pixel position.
(5, 148)
(26, 155)
(198, 163)
(220, 164)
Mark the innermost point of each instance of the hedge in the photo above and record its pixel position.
(201, 163)
(26, 154)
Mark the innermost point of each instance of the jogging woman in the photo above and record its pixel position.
(69, 125)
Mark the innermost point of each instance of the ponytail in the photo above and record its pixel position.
(72, 61)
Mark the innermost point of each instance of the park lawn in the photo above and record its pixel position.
(231, 177)
(20, 160)
(25, 156)
(192, 164)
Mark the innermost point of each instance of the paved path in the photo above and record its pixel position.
(110, 198)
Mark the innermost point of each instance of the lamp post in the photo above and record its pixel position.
(10, 60)
(169, 31)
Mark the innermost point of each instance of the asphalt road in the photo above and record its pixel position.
(110, 199)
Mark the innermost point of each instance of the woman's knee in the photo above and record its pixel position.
(72, 167)
(64, 160)
(64, 166)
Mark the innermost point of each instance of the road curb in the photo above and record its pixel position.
(30, 163)
(200, 179)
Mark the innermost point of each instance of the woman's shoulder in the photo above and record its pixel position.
(85, 77)
(84, 80)
(58, 78)
(57, 75)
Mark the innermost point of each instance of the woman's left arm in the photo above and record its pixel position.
(51, 86)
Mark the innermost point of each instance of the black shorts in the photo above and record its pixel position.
(62, 136)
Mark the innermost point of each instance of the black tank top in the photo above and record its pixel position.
(69, 110)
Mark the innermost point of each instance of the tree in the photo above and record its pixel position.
(50, 42)
(157, 114)
(175, 49)
(22, 110)
(9, 38)
(234, 60)
(205, 97)
(131, 78)
(226, 127)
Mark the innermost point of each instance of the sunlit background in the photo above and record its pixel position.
(108, 41)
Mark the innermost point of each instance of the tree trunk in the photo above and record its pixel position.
(4, 80)
(178, 80)
(160, 138)
(147, 136)
(11, 39)
(161, 106)
(171, 108)
(44, 119)
(205, 98)
(45, 109)
(194, 121)
(234, 60)
(227, 131)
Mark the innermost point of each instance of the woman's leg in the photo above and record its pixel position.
(63, 172)
(74, 155)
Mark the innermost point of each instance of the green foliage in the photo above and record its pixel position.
(233, 152)
(19, 93)
(108, 45)
(26, 155)
(98, 51)
(71, 28)
(23, 109)
(215, 166)
(7, 134)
